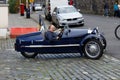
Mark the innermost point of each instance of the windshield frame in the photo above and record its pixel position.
(64, 10)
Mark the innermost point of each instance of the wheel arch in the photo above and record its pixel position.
(87, 38)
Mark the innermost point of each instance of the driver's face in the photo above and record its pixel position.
(53, 28)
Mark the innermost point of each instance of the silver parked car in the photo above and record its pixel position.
(69, 15)
(38, 7)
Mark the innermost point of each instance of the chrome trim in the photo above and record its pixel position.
(41, 46)
(89, 31)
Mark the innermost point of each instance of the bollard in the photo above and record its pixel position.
(28, 13)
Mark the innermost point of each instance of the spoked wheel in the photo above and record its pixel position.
(93, 49)
(117, 32)
(29, 55)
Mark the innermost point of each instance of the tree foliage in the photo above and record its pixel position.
(13, 6)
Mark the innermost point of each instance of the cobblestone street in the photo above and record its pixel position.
(13, 66)
(40, 40)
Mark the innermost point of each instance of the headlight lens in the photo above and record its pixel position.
(80, 18)
(95, 31)
(61, 19)
(89, 31)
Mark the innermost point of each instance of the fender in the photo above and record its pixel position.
(91, 36)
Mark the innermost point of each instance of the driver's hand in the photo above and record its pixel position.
(59, 29)
(58, 37)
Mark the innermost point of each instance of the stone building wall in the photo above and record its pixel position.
(94, 6)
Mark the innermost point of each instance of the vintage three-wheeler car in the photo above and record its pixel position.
(88, 42)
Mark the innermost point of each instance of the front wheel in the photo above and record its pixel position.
(93, 49)
(117, 32)
(29, 55)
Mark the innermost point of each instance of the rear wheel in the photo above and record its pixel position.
(29, 55)
(93, 49)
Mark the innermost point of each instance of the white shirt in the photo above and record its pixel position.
(119, 6)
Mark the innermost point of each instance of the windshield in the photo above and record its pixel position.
(67, 10)
(37, 4)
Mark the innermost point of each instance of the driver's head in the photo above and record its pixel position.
(52, 28)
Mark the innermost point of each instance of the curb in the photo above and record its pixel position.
(4, 33)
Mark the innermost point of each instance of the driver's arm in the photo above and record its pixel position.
(61, 33)
(51, 36)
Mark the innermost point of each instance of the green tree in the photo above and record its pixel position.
(13, 6)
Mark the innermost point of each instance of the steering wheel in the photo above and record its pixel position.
(61, 33)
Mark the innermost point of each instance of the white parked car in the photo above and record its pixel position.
(69, 15)
(38, 7)
(50, 5)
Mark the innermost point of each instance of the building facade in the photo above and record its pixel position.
(94, 6)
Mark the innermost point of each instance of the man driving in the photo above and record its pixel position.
(50, 34)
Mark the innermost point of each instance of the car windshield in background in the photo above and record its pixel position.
(37, 4)
(67, 10)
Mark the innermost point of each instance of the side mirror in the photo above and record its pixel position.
(67, 32)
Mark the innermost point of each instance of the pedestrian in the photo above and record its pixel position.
(116, 9)
(106, 9)
(71, 2)
(119, 9)
(33, 7)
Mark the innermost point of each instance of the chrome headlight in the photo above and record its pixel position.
(95, 31)
(89, 31)
(81, 18)
(61, 19)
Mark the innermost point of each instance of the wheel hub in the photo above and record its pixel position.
(93, 49)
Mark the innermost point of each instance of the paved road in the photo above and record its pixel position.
(106, 25)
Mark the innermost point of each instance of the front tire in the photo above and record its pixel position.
(93, 49)
(117, 32)
(29, 55)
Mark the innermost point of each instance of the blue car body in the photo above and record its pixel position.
(72, 41)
